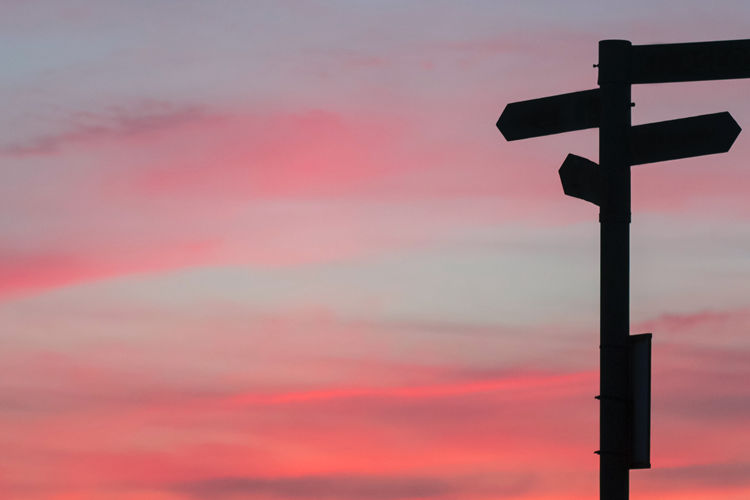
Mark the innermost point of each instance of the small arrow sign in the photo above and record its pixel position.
(550, 115)
(690, 62)
(684, 138)
(581, 178)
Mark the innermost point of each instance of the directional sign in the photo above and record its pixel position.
(684, 138)
(640, 397)
(581, 178)
(550, 115)
(625, 375)
(689, 62)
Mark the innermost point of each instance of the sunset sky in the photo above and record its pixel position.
(277, 249)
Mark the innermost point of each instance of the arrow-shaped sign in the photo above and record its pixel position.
(684, 138)
(653, 142)
(550, 115)
(690, 62)
(581, 178)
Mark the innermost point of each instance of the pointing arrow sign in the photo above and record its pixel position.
(550, 115)
(581, 178)
(653, 142)
(690, 62)
(684, 138)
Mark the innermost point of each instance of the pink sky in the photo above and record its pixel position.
(279, 250)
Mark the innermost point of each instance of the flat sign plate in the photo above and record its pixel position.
(690, 62)
(581, 178)
(550, 115)
(640, 396)
(683, 138)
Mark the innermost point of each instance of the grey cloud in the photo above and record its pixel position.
(362, 487)
(709, 408)
(726, 475)
(114, 123)
(352, 487)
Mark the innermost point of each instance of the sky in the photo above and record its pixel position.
(277, 250)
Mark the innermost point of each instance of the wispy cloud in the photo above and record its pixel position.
(711, 476)
(114, 123)
(31, 271)
(518, 382)
(343, 487)
(360, 487)
(314, 153)
(697, 322)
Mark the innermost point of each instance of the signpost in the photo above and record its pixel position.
(625, 360)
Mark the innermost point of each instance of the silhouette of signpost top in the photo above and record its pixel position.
(625, 360)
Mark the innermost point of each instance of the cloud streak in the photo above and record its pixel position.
(510, 383)
(330, 438)
(330, 487)
(117, 123)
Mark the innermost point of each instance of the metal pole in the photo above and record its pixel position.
(614, 216)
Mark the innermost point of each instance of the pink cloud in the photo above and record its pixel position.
(161, 149)
(168, 421)
(180, 186)
(109, 420)
(28, 272)
(363, 487)
(283, 155)
(505, 384)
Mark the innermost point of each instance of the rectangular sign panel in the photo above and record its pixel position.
(690, 62)
(550, 115)
(683, 138)
(640, 392)
(580, 178)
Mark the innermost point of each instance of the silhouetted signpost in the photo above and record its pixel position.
(625, 360)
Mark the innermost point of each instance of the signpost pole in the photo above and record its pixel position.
(625, 383)
(614, 216)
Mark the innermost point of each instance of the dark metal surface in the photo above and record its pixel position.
(550, 115)
(614, 322)
(640, 395)
(684, 138)
(581, 178)
(691, 62)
